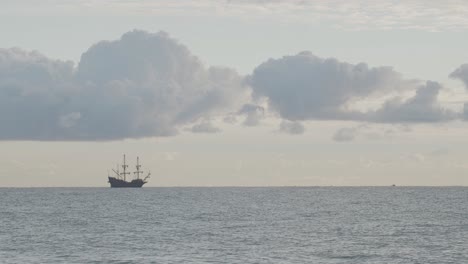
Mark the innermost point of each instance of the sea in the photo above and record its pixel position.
(234, 225)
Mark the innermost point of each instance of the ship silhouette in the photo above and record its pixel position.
(120, 178)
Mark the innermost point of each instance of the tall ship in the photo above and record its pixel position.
(119, 180)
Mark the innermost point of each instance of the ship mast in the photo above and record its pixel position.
(138, 166)
(124, 167)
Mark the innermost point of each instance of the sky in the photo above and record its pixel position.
(234, 92)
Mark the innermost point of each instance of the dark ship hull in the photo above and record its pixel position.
(118, 183)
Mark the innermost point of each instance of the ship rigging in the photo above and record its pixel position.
(120, 178)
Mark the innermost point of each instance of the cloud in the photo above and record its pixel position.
(291, 127)
(141, 85)
(230, 119)
(149, 85)
(205, 127)
(306, 87)
(345, 134)
(254, 113)
(369, 131)
(69, 120)
(33, 95)
(422, 107)
(461, 73)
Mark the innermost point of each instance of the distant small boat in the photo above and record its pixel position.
(120, 181)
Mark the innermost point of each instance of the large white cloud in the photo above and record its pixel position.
(138, 86)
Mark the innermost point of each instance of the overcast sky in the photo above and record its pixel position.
(234, 93)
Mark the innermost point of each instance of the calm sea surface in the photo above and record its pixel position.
(234, 225)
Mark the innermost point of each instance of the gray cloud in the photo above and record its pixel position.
(205, 127)
(345, 134)
(291, 127)
(34, 92)
(461, 73)
(254, 113)
(144, 85)
(369, 132)
(422, 107)
(464, 114)
(306, 87)
(230, 119)
(138, 86)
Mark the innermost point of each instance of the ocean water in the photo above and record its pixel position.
(234, 225)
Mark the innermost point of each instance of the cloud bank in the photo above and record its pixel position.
(149, 85)
(141, 85)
